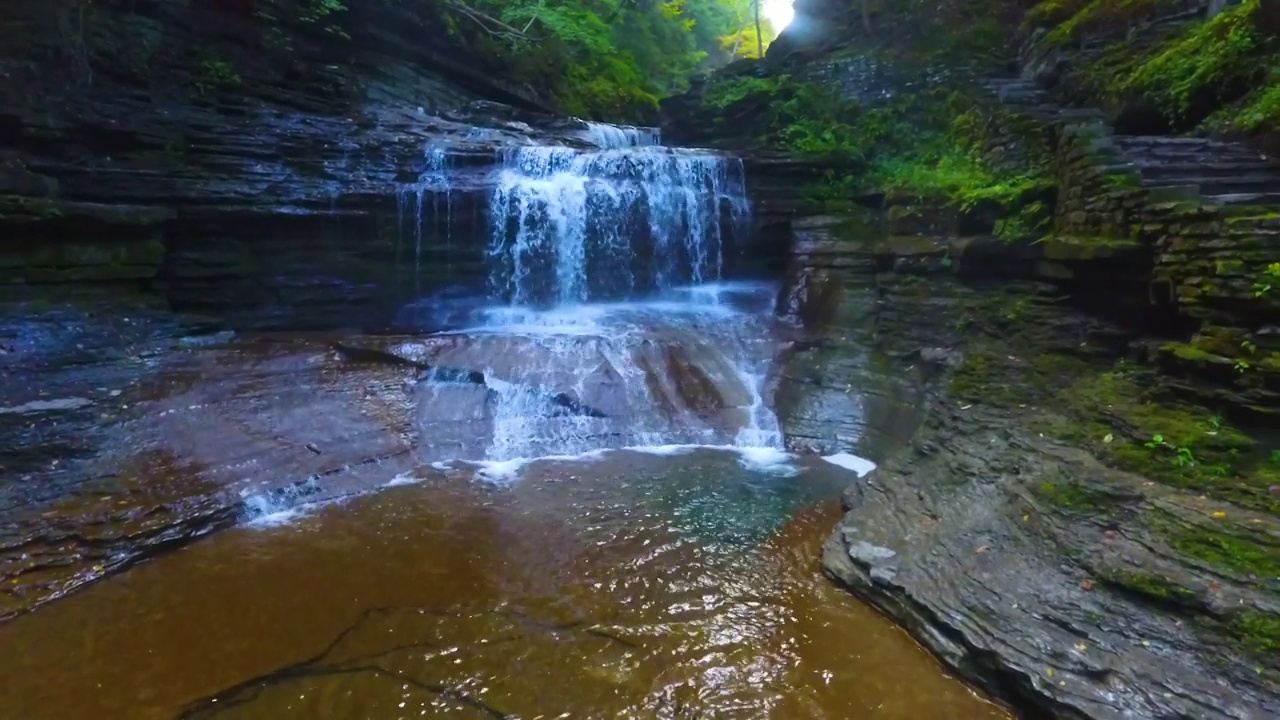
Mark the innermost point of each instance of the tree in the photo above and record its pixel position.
(759, 32)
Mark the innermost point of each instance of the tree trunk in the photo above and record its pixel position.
(759, 34)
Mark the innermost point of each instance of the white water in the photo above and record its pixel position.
(621, 136)
(612, 326)
(574, 227)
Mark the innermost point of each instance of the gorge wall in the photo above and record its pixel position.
(258, 161)
(1085, 518)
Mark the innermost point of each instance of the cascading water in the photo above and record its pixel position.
(433, 182)
(613, 325)
(573, 227)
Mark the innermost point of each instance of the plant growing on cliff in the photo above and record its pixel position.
(1213, 62)
(1182, 456)
(214, 74)
(1269, 276)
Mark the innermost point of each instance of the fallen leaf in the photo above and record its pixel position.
(1049, 672)
(1026, 518)
(1109, 438)
(1219, 514)
(1081, 647)
(982, 549)
(1086, 584)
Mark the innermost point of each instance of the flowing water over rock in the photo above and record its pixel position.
(575, 502)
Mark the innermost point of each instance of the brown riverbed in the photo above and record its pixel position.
(630, 586)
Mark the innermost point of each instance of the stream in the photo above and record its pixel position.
(569, 498)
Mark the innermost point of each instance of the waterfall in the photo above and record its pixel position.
(572, 226)
(621, 136)
(610, 321)
(433, 181)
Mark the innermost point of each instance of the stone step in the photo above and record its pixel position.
(1261, 199)
(1169, 141)
(1152, 158)
(1209, 170)
(1221, 186)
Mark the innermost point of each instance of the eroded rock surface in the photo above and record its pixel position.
(962, 539)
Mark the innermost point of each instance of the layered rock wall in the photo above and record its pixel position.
(245, 157)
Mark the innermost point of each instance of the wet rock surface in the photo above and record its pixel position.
(128, 431)
(957, 540)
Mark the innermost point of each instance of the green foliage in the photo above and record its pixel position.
(1209, 64)
(611, 59)
(322, 14)
(214, 74)
(1052, 13)
(722, 93)
(1262, 110)
(932, 143)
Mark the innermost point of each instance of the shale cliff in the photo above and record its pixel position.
(1063, 218)
(244, 159)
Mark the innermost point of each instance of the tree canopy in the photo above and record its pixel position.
(613, 59)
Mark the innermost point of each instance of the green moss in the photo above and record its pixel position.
(1190, 353)
(1257, 631)
(1059, 367)
(979, 379)
(1098, 15)
(1228, 267)
(35, 208)
(1051, 13)
(1179, 445)
(1152, 586)
(1075, 496)
(1237, 550)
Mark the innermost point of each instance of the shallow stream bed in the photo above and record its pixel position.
(629, 584)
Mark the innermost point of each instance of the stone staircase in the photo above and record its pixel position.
(1213, 171)
(1205, 216)
(1223, 173)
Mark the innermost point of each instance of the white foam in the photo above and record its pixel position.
(767, 459)
(668, 450)
(848, 461)
(500, 471)
(402, 479)
(277, 518)
(759, 459)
